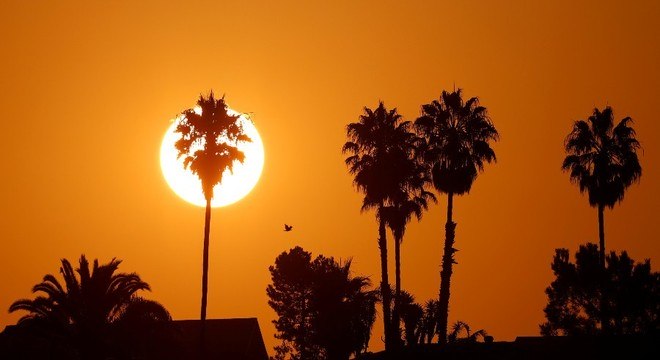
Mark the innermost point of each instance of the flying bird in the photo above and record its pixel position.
(288, 227)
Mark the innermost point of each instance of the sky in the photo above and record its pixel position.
(88, 89)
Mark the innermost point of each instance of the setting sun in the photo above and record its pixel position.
(235, 185)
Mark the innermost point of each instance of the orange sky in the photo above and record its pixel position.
(88, 89)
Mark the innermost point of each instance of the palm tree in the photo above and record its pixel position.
(602, 160)
(411, 315)
(457, 137)
(90, 308)
(345, 309)
(379, 143)
(208, 145)
(412, 202)
(470, 337)
(429, 322)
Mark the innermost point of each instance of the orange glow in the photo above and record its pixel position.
(235, 184)
(87, 89)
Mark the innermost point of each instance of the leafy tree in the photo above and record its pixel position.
(380, 145)
(323, 311)
(209, 146)
(602, 160)
(91, 312)
(457, 137)
(289, 295)
(631, 290)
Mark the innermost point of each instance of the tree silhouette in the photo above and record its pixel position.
(631, 290)
(602, 160)
(323, 311)
(470, 337)
(412, 201)
(457, 144)
(411, 315)
(208, 145)
(91, 311)
(380, 144)
(429, 322)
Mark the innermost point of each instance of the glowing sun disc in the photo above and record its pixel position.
(235, 185)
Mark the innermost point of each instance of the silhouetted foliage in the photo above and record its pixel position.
(461, 327)
(419, 322)
(412, 202)
(209, 147)
(381, 146)
(95, 315)
(602, 160)
(457, 136)
(632, 292)
(323, 311)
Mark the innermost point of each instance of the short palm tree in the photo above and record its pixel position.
(602, 160)
(345, 309)
(209, 146)
(411, 315)
(457, 137)
(470, 337)
(378, 144)
(429, 322)
(91, 307)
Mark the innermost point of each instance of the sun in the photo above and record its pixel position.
(235, 185)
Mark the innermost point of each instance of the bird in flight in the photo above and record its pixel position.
(288, 227)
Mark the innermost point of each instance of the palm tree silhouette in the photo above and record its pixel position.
(457, 143)
(90, 308)
(470, 337)
(413, 201)
(602, 160)
(379, 143)
(208, 146)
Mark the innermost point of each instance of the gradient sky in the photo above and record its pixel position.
(88, 89)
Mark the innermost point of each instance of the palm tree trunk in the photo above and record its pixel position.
(601, 234)
(604, 316)
(396, 329)
(445, 273)
(384, 282)
(205, 275)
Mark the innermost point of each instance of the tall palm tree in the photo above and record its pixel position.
(378, 144)
(457, 137)
(412, 202)
(602, 160)
(208, 145)
(91, 307)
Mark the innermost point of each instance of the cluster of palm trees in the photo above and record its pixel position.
(395, 164)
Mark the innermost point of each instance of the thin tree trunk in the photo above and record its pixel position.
(445, 273)
(396, 328)
(601, 234)
(384, 283)
(205, 276)
(604, 322)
